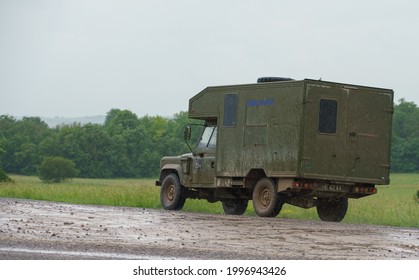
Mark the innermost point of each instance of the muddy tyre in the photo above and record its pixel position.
(332, 209)
(235, 206)
(172, 194)
(266, 201)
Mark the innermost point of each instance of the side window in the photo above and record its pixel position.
(213, 141)
(209, 138)
(327, 116)
(230, 110)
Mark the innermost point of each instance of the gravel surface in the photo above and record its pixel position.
(47, 230)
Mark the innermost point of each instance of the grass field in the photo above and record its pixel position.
(393, 205)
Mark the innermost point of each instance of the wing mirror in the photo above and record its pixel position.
(187, 133)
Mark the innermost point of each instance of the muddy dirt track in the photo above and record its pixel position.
(45, 230)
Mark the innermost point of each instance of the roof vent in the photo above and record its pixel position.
(273, 79)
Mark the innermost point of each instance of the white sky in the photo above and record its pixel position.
(84, 57)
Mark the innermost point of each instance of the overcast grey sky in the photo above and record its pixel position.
(84, 57)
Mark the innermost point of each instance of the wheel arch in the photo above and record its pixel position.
(169, 169)
(253, 176)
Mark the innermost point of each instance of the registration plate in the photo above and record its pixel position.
(333, 188)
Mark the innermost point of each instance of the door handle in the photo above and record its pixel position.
(352, 134)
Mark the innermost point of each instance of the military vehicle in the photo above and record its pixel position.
(308, 143)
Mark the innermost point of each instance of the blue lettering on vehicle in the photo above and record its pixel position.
(259, 102)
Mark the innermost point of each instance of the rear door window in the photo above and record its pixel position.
(328, 116)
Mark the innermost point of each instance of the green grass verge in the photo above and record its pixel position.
(393, 205)
(118, 192)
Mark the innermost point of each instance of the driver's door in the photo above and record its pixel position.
(203, 163)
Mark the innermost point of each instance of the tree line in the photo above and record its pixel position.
(128, 146)
(124, 146)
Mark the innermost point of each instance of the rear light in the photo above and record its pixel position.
(365, 190)
(296, 184)
(303, 185)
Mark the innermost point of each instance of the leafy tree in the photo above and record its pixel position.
(117, 121)
(57, 169)
(89, 146)
(405, 142)
(20, 140)
(4, 177)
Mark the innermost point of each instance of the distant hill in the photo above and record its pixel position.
(53, 122)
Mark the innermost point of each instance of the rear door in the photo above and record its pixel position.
(369, 136)
(347, 134)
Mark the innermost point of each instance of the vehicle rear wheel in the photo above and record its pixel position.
(332, 209)
(235, 206)
(266, 201)
(172, 196)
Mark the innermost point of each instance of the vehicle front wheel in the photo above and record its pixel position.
(332, 209)
(172, 194)
(266, 201)
(235, 206)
